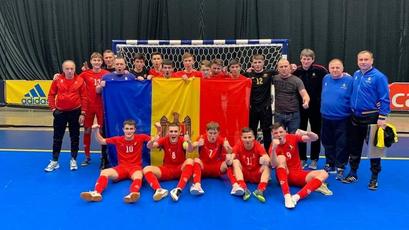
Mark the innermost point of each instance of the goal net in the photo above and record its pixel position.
(226, 50)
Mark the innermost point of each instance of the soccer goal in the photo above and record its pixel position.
(226, 50)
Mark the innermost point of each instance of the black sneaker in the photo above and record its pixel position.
(175, 193)
(329, 169)
(351, 178)
(373, 185)
(104, 164)
(340, 174)
(86, 162)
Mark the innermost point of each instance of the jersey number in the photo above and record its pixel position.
(249, 161)
(173, 155)
(129, 148)
(259, 81)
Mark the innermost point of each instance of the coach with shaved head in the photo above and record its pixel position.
(67, 99)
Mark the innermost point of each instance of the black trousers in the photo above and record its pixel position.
(334, 136)
(312, 114)
(61, 119)
(265, 117)
(358, 133)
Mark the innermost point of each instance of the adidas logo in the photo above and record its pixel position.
(35, 96)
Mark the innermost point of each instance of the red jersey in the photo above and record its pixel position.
(174, 154)
(93, 79)
(194, 73)
(67, 94)
(212, 152)
(249, 159)
(129, 152)
(155, 73)
(290, 151)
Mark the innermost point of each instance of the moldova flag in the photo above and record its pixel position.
(192, 104)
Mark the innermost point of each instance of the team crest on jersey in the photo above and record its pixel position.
(185, 127)
(369, 80)
(344, 86)
(265, 75)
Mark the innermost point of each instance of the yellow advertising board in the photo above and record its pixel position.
(27, 93)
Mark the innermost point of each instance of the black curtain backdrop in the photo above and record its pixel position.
(37, 35)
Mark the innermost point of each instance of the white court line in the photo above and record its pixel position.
(81, 151)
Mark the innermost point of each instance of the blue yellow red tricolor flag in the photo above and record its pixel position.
(192, 103)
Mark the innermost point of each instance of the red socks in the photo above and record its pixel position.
(136, 185)
(152, 180)
(197, 173)
(87, 143)
(262, 186)
(282, 179)
(230, 175)
(242, 184)
(101, 184)
(309, 187)
(186, 174)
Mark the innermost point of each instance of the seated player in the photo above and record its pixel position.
(175, 165)
(212, 150)
(129, 150)
(284, 152)
(188, 68)
(251, 164)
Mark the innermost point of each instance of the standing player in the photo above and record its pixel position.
(92, 78)
(67, 99)
(251, 164)
(234, 70)
(260, 98)
(205, 68)
(311, 75)
(284, 152)
(156, 59)
(216, 69)
(167, 69)
(370, 107)
(109, 57)
(139, 69)
(129, 150)
(188, 67)
(174, 165)
(214, 151)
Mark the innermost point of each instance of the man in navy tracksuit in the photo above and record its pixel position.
(369, 105)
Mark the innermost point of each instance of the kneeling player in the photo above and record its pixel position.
(129, 150)
(251, 164)
(175, 164)
(212, 159)
(289, 171)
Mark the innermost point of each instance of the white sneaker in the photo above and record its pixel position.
(93, 196)
(159, 194)
(288, 201)
(324, 190)
(295, 199)
(175, 194)
(196, 189)
(132, 197)
(313, 165)
(53, 165)
(73, 164)
(236, 190)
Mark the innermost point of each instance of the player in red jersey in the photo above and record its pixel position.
(234, 70)
(129, 150)
(92, 78)
(216, 69)
(167, 69)
(174, 165)
(213, 151)
(251, 164)
(188, 68)
(156, 59)
(284, 152)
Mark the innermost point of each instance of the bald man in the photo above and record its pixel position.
(287, 88)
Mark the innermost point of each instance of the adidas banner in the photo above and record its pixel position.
(27, 93)
(192, 104)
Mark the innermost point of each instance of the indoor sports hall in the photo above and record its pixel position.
(37, 37)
